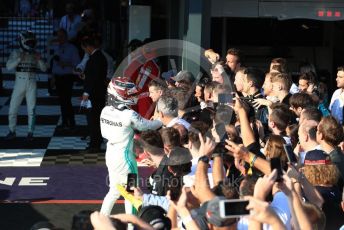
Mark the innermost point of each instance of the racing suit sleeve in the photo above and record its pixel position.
(13, 60)
(141, 124)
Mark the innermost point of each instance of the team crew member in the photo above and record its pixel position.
(142, 70)
(66, 56)
(94, 90)
(26, 61)
(118, 122)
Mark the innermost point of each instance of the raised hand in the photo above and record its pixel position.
(264, 185)
(261, 211)
(237, 151)
(212, 56)
(101, 222)
(258, 102)
(181, 203)
(138, 194)
(148, 163)
(206, 147)
(286, 185)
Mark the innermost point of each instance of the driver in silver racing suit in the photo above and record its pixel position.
(118, 123)
(26, 61)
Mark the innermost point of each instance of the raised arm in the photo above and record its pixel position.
(142, 124)
(240, 152)
(183, 211)
(202, 187)
(263, 213)
(300, 218)
(218, 172)
(246, 130)
(310, 192)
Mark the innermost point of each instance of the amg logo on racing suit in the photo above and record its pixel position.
(113, 123)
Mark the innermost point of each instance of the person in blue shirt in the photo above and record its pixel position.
(65, 58)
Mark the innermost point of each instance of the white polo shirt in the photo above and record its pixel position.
(336, 105)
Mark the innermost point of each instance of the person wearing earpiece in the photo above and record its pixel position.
(26, 62)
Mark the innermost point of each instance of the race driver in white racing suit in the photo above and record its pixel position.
(26, 61)
(118, 122)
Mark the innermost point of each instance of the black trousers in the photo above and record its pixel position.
(64, 88)
(93, 119)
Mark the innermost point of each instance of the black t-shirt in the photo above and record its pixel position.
(286, 99)
(160, 177)
(337, 158)
(293, 115)
(331, 207)
(197, 114)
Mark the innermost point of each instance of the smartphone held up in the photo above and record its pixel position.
(233, 208)
(131, 182)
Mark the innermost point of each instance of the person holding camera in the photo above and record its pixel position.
(66, 56)
(26, 61)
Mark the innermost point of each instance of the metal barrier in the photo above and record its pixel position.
(10, 27)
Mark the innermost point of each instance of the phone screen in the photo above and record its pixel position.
(131, 182)
(290, 153)
(235, 208)
(275, 163)
(225, 99)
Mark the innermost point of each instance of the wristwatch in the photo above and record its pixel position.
(205, 159)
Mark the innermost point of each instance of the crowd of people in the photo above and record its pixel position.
(233, 133)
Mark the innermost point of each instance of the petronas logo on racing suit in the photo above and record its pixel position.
(113, 123)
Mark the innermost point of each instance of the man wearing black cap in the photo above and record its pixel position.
(155, 216)
(179, 164)
(185, 77)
